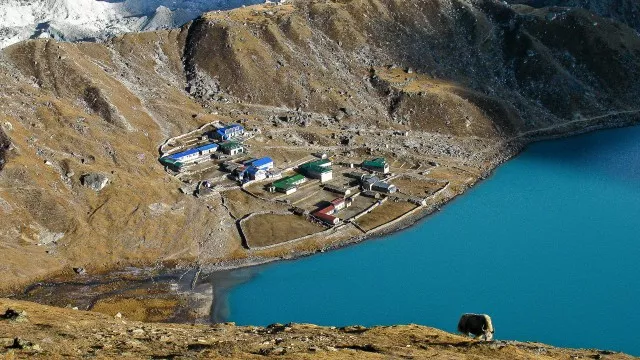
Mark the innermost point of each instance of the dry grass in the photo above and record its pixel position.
(269, 229)
(384, 213)
(65, 333)
(241, 203)
(418, 187)
(413, 82)
(148, 310)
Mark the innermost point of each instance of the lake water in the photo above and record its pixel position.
(548, 246)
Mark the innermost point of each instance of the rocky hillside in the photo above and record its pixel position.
(29, 330)
(465, 80)
(624, 11)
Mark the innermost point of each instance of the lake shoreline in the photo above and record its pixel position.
(509, 150)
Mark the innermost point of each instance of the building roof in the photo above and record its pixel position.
(315, 169)
(169, 161)
(370, 179)
(230, 128)
(375, 163)
(325, 217)
(182, 154)
(383, 185)
(288, 182)
(319, 166)
(335, 187)
(326, 210)
(252, 170)
(320, 162)
(192, 151)
(355, 174)
(207, 147)
(260, 162)
(337, 201)
(230, 145)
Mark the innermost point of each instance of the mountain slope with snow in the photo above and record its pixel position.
(98, 19)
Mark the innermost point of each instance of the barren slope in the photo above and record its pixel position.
(46, 332)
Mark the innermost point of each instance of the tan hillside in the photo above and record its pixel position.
(446, 90)
(48, 332)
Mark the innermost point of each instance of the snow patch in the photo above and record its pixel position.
(74, 20)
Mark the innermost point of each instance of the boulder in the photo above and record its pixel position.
(94, 181)
(22, 344)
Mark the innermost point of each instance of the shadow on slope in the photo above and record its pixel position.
(520, 70)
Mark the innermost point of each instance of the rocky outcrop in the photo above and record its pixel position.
(94, 181)
(4, 147)
(55, 332)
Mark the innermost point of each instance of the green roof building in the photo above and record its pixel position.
(318, 169)
(232, 148)
(171, 163)
(289, 184)
(379, 165)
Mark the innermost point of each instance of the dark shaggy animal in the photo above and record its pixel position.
(478, 325)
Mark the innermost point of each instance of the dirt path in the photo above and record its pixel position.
(533, 132)
(577, 121)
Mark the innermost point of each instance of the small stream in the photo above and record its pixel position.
(195, 296)
(174, 287)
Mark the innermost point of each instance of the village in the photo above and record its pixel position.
(322, 189)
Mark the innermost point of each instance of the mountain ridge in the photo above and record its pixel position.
(74, 20)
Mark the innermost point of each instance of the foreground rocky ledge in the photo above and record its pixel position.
(50, 332)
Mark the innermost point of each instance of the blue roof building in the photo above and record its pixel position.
(252, 173)
(184, 155)
(228, 132)
(193, 154)
(265, 163)
(208, 148)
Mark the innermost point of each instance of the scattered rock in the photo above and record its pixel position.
(198, 347)
(354, 329)
(347, 111)
(80, 270)
(137, 332)
(94, 181)
(275, 328)
(22, 344)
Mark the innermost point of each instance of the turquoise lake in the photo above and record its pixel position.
(548, 246)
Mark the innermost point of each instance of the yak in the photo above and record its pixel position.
(478, 325)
